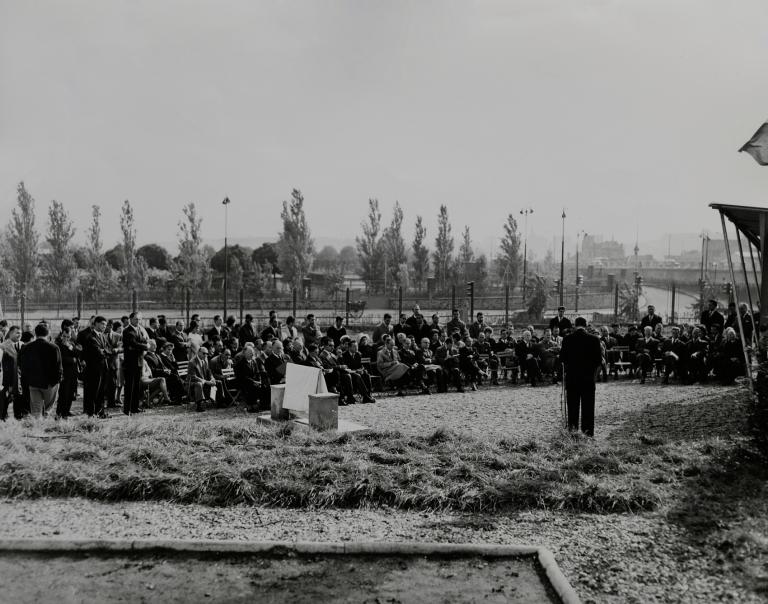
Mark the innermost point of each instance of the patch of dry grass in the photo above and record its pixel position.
(221, 463)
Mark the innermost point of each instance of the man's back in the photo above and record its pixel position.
(40, 364)
(581, 355)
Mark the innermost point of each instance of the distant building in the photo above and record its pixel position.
(609, 252)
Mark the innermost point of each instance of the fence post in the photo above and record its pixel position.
(453, 297)
(22, 308)
(79, 304)
(242, 305)
(399, 301)
(134, 300)
(293, 306)
(616, 304)
(506, 305)
(188, 303)
(346, 306)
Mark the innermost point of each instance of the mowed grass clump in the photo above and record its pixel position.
(226, 462)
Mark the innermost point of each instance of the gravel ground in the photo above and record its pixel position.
(590, 549)
(607, 558)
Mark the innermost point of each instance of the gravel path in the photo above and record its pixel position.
(588, 548)
(666, 565)
(522, 412)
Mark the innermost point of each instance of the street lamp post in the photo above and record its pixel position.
(525, 212)
(562, 263)
(578, 281)
(225, 203)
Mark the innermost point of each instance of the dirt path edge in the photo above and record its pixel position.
(189, 546)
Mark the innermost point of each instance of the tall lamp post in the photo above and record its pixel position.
(579, 235)
(225, 203)
(525, 212)
(562, 262)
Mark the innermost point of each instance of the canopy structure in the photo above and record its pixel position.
(752, 222)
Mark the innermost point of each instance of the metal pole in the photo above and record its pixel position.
(346, 320)
(79, 303)
(226, 257)
(562, 262)
(453, 297)
(293, 305)
(134, 301)
(616, 304)
(736, 299)
(754, 269)
(188, 303)
(672, 320)
(506, 306)
(22, 308)
(471, 300)
(399, 300)
(242, 304)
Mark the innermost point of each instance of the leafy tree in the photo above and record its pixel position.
(114, 257)
(326, 259)
(235, 274)
(420, 253)
(156, 256)
(443, 253)
(80, 255)
(266, 255)
(537, 298)
(99, 271)
(508, 261)
(348, 259)
(334, 281)
(130, 268)
(21, 254)
(241, 254)
(466, 254)
(394, 248)
(295, 247)
(369, 248)
(191, 268)
(59, 264)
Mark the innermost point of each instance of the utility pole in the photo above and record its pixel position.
(525, 212)
(562, 262)
(225, 203)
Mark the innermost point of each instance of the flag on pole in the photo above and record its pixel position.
(757, 146)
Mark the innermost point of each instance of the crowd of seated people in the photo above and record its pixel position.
(188, 363)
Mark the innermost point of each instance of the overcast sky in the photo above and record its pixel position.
(627, 113)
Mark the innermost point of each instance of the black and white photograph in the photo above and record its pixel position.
(408, 301)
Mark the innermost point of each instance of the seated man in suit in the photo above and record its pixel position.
(275, 363)
(526, 352)
(347, 381)
(253, 380)
(219, 364)
(155, 384)
(433, 371)
(200, 379)
(354, 362)
(447, 356)
(164, 365)
(674, 352)
(647, 348)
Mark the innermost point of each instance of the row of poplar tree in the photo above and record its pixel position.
(380, 256)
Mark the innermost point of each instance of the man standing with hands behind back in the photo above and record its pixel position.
(581, 356)
(134, 346)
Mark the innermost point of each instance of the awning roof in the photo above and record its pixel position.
(746, 219)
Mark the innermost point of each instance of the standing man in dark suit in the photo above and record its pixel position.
(711, 316)
(581, 355)
(41, 369)
(651, 319)
(562, 322)
(96, 355)
(135, 344)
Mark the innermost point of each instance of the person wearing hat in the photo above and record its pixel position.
(562, 322)
(581, 356)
